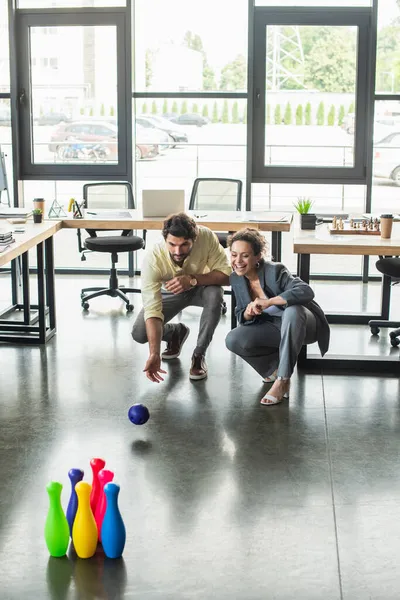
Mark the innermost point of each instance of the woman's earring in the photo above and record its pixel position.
(257, 265)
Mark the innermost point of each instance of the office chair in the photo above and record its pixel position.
(97, 195)
(217, 194)
(391, 268)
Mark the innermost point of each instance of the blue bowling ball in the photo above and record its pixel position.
(138, 414)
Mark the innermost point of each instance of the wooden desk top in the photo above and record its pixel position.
(215, 220)
(34, 234)
(321, 241)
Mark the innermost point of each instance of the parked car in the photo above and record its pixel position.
(387, 158)
(190, 119)
(175, 131)
(53, 118)
(152, 136)
(96, 132)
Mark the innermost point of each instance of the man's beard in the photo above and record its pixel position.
(180, 260)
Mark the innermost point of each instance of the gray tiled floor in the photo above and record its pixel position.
(222, 498)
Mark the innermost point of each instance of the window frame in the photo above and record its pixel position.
(266, 16)
(118, 17)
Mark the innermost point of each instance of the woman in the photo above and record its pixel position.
(275, 311)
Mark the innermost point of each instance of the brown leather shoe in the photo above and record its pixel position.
(198, 370)
(178, 338)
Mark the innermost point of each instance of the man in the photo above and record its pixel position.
(191, 266)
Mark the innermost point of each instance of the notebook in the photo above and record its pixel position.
(162, 203)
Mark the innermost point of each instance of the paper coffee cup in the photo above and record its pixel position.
(386, 226)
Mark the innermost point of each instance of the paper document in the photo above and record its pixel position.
(264, 217)
(106, 214)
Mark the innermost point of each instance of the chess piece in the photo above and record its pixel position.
(334, 223)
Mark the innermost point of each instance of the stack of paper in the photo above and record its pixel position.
(6, 238)
(7, 212)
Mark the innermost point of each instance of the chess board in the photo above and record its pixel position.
(347, 230)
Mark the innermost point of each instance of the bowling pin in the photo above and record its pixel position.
(97, 464)
(105, 476)
(75, 475)
(113, 533)
(84, 530)
(56, 530)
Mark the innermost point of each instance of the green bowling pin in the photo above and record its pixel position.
(56, 531)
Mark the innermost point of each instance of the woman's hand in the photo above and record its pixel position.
(253, 309)
(261, 304)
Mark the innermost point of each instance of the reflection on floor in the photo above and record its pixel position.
(222, 498)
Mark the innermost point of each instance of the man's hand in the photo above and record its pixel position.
(153, 369)
(178, 284)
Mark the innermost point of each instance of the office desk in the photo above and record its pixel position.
(215, 220)
(32, 328)
(320, 241)
(26, 330)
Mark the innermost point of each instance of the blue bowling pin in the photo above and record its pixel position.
(113, 533)
(75, 475)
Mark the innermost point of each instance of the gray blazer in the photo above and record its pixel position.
(276, 280)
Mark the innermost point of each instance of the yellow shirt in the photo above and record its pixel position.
(158, 267)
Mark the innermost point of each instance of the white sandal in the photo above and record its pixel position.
(273, 399)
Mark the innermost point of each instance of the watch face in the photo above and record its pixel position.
(193, 282)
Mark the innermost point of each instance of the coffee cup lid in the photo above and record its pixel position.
(386, 216)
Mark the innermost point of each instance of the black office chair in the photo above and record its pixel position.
(97, 196)
(391, 268)
(217, 194)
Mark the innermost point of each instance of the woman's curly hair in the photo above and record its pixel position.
(252, 236)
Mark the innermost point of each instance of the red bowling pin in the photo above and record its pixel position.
(105, 476)
(97, 465)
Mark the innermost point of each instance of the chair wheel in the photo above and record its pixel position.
(375, 330)
(129, 308)
(85, 305)
(395, 341)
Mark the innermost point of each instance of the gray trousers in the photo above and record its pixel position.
(208, 296)
(275, 343)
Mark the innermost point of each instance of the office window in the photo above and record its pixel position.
(190, 46)
(386, 158)
(388, 48)
(196, 137)
(75, 110)
(4, 50)
(310, 78)
(6, 148)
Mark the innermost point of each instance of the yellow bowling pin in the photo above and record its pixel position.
(84, 531)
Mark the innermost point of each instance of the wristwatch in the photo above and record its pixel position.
(193, 281)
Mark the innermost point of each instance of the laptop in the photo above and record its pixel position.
(162, 203)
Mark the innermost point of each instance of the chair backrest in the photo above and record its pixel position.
(216, 194)
(108, 194)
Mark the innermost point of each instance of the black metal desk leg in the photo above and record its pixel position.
(385, 304)
(303, 265)
(50, 291)
(41, 294)
(276, 245)
(26, 302)
(233, 306)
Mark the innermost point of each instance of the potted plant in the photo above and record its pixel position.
(303, 207)
(37, 215)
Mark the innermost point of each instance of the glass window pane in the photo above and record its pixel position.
(69, 3)
(310, 96)
(179, 45)
(195, 138)
(388, 48)
(4, 52)
(6, 150)
(386, 158)
(74, 106)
